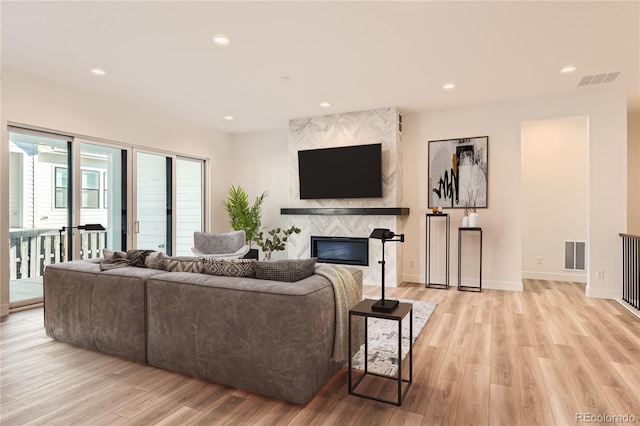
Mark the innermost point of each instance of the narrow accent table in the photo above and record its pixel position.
(428, 282)
(363, 309)
(465, 287)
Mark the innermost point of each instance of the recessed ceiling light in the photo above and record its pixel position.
(325, 104)
(448, 86)
(98, 71)
(228, 117)
(221, 39)
(567, 69)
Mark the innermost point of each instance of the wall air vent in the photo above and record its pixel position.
(575, 255)
(599, 78)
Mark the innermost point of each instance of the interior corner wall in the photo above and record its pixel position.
(555, 195)
(260, 163)
(633, 171)
(33, 101)
(502, 220)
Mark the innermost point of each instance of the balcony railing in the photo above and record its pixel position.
(631, 269)
(31, 250)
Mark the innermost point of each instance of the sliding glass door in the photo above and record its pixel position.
(153, 225)
(103, 199)
(69, 198)
(38, 208)
(189, 203)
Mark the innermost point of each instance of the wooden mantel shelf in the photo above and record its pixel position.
(362, 211)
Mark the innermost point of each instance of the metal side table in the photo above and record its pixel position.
(363, 309)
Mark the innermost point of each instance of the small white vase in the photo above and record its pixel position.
(465, 221)
(473, 220)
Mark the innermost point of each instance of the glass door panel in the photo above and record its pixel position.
(153, 202)
(103, 199)
(39, 207)
(189, 204)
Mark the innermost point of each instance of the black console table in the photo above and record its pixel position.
(460, 286)
(428, 282)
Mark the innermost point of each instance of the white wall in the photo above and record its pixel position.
(554, 195)
(260, 163)
(502, 220)
(633, 169)
(36, 102)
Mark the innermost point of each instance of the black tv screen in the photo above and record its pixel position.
(345, 172)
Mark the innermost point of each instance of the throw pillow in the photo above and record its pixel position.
(288, 270)
(108, 254)
(171, 264)
(230, 267)
(154, 260)
(137, 257)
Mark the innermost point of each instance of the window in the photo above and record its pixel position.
(61, 188)
(90, 189)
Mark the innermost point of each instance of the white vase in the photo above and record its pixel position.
(473, 220)
(465, 221)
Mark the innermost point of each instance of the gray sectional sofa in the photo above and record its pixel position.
(269, 337)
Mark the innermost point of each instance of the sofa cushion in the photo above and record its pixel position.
(230, 267)
(287, 270)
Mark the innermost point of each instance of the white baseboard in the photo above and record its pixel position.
(502, 285)
(413, 278)
(489, 284)
(628, 307)
(4, 310)
(603, 293)
(548, 276)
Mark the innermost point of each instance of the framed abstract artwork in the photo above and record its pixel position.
(458, 173)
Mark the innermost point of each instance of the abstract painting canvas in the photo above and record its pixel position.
(458, 173)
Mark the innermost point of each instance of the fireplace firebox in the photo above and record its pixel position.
(341, 250)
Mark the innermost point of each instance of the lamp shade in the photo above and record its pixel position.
(382, 234)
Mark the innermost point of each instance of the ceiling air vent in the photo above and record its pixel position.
(598, 78)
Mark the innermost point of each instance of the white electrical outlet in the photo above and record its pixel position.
(539, 260)
(600, 274)
(412, 264)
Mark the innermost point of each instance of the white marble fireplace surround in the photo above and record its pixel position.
(354, 128)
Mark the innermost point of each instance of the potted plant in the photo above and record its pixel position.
(274, 241)
(243, 217)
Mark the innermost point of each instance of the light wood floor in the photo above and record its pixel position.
(494, 358)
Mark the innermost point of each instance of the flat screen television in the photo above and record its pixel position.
(344, 172)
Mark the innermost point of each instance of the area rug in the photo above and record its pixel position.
(383, 339)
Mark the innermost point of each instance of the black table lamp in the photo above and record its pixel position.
(87, 227)
(384, 305)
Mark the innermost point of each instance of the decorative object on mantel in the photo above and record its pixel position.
(276, 242)
(384, 305)
(243, 217)
(457, 169)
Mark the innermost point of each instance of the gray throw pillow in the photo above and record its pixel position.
(230, 267)
(288, 270)
(108, 254)
(172, 264)
(154, 260)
